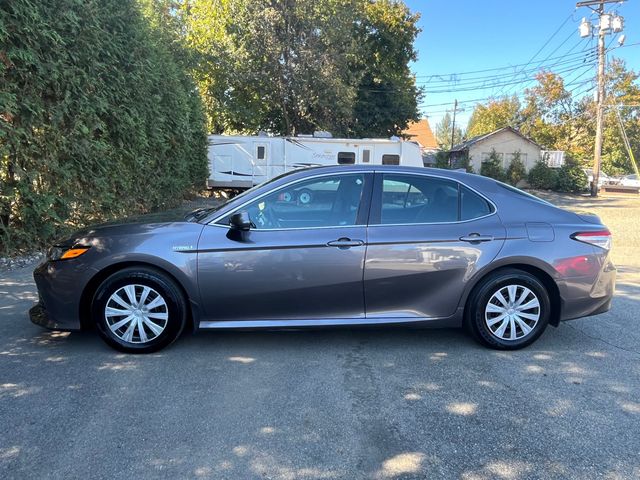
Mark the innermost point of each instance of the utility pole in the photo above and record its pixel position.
(607, 23)
(453, 130)
(597, 154)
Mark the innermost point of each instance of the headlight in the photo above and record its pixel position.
(66, 253)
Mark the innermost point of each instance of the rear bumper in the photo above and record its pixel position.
(582, 297)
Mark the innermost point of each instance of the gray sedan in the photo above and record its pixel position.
(332, 246)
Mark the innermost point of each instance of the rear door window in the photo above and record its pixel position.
(409, 199)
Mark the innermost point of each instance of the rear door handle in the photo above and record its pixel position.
(345, 243)
(476, 238)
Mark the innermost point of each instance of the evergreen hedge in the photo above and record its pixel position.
(98, 119)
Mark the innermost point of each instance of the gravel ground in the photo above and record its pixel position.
(333, 404)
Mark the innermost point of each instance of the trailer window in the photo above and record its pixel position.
(391, 159)
(366, 154)
(260, 152)
(346, 158)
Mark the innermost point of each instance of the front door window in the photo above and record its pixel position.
(328, 201)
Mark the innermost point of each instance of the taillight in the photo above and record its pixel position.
(600, 238)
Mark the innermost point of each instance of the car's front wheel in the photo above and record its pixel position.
(508, 310)
(139, 310)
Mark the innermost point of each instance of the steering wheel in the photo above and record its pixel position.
(266, 218)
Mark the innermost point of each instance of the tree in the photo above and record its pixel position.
(492, 167)
(551, 116)
(443, 132)
(92, 101)
(497, 113)
(516, 170)
(295, 66)
(622, 89)
(387, 96)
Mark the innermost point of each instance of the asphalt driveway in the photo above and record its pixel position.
(344, 404)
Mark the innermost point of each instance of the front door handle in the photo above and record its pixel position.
(345, 242)
(476, 238)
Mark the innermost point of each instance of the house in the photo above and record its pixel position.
(420, 132)
(507, 142)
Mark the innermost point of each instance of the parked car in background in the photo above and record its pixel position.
(378, 245)
(630, 181)
(603, 178)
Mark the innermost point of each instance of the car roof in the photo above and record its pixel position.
(459, 175)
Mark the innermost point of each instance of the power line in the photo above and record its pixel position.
(569, 17)
(457, 80)
(484, 85)
(504, 67)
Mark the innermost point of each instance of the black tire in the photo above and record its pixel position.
(475, 320)
(174, 308)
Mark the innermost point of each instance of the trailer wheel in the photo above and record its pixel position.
(305, 196)
(287, 197)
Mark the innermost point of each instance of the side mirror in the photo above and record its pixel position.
(240, 221)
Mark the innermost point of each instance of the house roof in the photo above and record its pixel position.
(420, 132)
(467, 143)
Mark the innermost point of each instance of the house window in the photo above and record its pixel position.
(487, 155)
(391, 159)
(346, 158)
(366, 155)
(512, 156)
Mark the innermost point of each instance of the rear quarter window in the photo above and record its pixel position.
(472, 205)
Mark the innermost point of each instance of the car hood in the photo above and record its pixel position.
(135, 225)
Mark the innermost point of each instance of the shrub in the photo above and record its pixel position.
(516, 171)
(442, 160)
(542, 176)
(492, 167)
(571, 177)
(464, 162)
(98, 118)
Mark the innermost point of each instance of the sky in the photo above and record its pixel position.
(513, 38)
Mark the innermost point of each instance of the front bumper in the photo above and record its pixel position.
(38, 315)
(60, 286)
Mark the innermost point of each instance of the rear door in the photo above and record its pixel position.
(427, 236)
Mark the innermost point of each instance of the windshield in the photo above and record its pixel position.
(200, 213)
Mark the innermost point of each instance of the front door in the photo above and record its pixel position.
(304, 258)
(427, 237)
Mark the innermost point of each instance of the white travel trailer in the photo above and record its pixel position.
(245, 161)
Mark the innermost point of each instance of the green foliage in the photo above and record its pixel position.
(97, 118)
(571, 177)
(516, 170)
(444, 129)
(542, 176)
(492, 167)
(387, 96)
(497, 113)
(442, 160)
(296, 67)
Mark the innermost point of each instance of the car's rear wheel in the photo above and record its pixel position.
(508, 310)
(139, 310)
